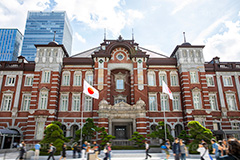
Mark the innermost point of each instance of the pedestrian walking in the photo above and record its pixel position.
(215, 148)
(167, 144)
(84, 148)
(176, 149)
(37, 151)
(96, 149)
(224, 147)
(109, 151)
(106, 151)
(147, 150)
(51, 151)
(79, 149)
(74, 150)
(233, 150)
(22, 150)
(63, 154)
(183, 150)
(203, 149)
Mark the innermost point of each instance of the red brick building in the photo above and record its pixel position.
(129, 79)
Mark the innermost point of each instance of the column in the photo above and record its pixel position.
(237, 85)
(134, 125)
(1, 79)
(220, 90)
(17, 94)
(3, 141)
(110, 126)
(12, 141)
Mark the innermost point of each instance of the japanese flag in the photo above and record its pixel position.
(166, 90)
(89, 90)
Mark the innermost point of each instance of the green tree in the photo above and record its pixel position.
(138, 139)
(53, 134)
(105, 137)
(184, 136)
(160, 132)
(197, 133)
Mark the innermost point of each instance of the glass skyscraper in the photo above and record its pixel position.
(10, 44)
(40, 27)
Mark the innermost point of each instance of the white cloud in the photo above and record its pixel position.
(100, 13)
(13, 13)
(225, 45)
(79, 38)
(181, 4)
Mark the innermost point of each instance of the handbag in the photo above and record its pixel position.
(105, 150)
(203, 155)
(163, 147)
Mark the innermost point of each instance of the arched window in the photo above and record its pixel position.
(77, 81)
(162, 77)
(64, 129)
(153, 128)
(178, 129)
(169, 129)
(89, 77)
(66, 78)
(73, 129)
(151, 78)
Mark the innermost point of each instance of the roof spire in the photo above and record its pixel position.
(184, 37)
(54, 36)
(104, 33)
(132, 35)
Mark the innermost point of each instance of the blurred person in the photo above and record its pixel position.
(51, 151)
(224, 147)
(74, 150)
(204, 153)
(106, 151)
(37, 151)
(96, 149)
(233, 150)
(84, 148)
(22, 150)
(183, 149)
(109, 151)
(215, 148)
(79, 149)
(176, 149)
(147, 150)
(167, 144)
(63, 155)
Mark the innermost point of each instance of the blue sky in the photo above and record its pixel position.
(158, 24)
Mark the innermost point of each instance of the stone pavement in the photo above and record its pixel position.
(116, 155)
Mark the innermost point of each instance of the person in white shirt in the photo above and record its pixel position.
(203, 149)
(147, 149)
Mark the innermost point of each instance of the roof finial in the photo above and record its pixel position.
(104, 33)
(132, 35)
(184, 37)
(54, 36)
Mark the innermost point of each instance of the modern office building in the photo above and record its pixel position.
(10, 44)
(40, 28)
(129, 80)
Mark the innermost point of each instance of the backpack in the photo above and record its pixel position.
(54, 149)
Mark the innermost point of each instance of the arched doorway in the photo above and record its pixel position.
(73, 129)
(64, 129)
(9, 138)
(178, 129)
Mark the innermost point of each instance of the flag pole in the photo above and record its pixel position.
(83, 102)
(165, 129)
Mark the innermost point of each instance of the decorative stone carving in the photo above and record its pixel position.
(189, 111)
(51, 111)
(14, 112)
(31, 111)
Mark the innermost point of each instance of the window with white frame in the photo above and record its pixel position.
(43, 100)
(213, 102)
(152, 103)
(88, 104)
(235, 125)
(77, 78)
(10, 80)
(89, 77)
(26, 102)
(216, 126)
(194, 76)
(6, 102)
(64, 102)
(66, 79)
(76, 102)
(197, 100)
(210, 80)
(46, 76)
(174, 79)
(162, 77)
(227, 81)
(231, 102)
(151, 78)
(28, 80)
(119, 84)
(164, 102)
(176, 102)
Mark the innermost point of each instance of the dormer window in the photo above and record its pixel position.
(120, 82)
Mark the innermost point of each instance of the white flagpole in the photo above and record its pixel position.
(83, 104)
(165, 129)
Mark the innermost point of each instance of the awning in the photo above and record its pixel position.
(8, 132)
(218, 132)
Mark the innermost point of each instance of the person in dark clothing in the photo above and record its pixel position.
(79, 149)
(147, 149)
(176, 149)
(51, 151)
(22, 148)
(74, 150)
(233, 150)
(64, 148)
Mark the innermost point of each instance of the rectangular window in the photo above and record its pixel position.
(176, 103)
(197, 100)
(119, 84)
(66, 80)
(43, 100)
(64, 102)
(194, 77)
(151, 79)
(76, 102)
(28, 81)
(89, 79)
(210, 81)
(46, 77)
(216, 126)
(213, 102)
(152, 103)
(164, 102)
(26, 102)
(227, 81)
(231, 102)
(77, 80)
(235, 125)
(88, 104)
(162, 77)
(6, 102)
(174, 80)
(10, 80)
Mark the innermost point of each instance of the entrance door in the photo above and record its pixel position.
(121, 132)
